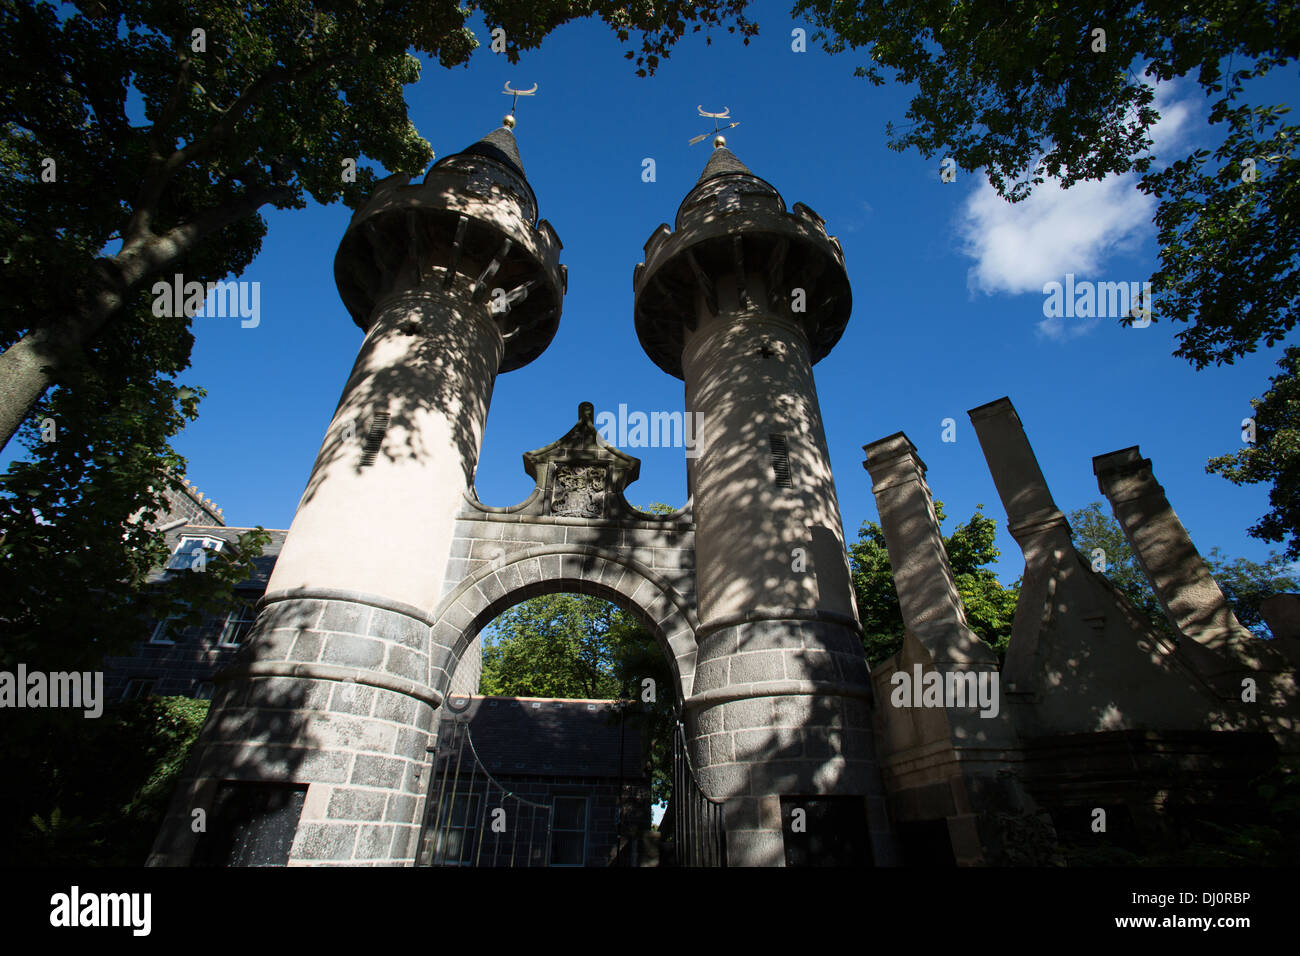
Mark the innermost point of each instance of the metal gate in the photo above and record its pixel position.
(699, 827)
(470, 819)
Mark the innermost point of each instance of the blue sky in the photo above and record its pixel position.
(947, 283)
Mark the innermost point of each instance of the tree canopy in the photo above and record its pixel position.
(558, 645)
(1065, 91)
(244, 105)
(1244, 583)
(1273, 456)
(78, 521)
(1095, 530)
(140, 138)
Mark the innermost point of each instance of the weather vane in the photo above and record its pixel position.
(719, 139)
(509, 120)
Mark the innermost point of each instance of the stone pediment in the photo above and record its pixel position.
(581, 475)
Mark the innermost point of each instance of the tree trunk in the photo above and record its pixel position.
(31, 365)
(24, 377)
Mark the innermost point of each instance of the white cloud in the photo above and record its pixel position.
(1061, 330)
(1173, 133)
(1018, 247)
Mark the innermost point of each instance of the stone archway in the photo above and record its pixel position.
(548, 569)
(574, 532)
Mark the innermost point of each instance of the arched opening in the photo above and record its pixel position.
(623, 581)
(560, 715)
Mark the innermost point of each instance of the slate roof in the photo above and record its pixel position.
(543, 736)
(499, 145)
(722, 162)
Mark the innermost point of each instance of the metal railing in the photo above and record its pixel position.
(699, 826)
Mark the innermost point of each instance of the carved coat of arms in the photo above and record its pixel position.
(579, 492)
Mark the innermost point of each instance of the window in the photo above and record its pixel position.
(137, 687)
(164, 632)
(374, 438)
(189, 553)
(203, 690)
(238, 623)
(458, 838)
(172, 628)
(569, 831)
(780, 460)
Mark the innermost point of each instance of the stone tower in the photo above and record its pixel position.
(452, 280)
(317, 748)
(740, 301)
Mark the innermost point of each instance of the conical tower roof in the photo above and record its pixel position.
(500, 149)
(722, 162)
(499, 145)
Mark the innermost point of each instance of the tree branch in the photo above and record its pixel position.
(159, 176)
(140, 260)
(171, 108)
(156, 178)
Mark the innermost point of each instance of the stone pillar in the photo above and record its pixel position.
(740, 302)
(1033, 518)
(426, 368)
(1186, 590)
(335, 697)
(931, 605)
(1281, 613)
(951, 745)
(452, 280)
(765, 541)
(779, 649)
